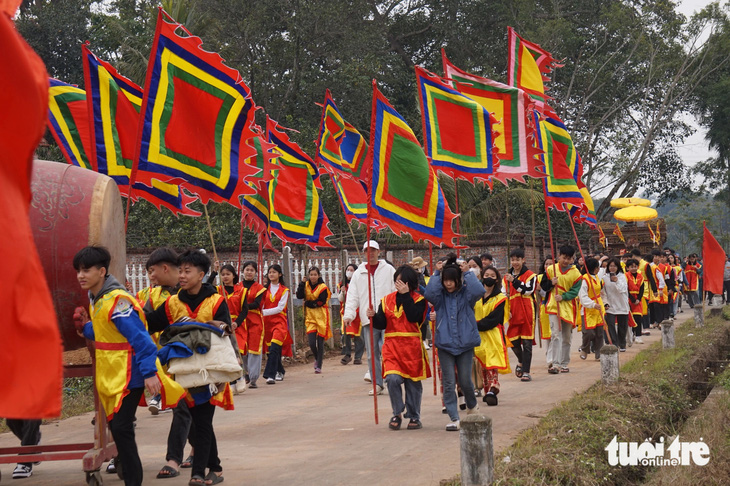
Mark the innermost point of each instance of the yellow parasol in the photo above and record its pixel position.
(625, 202)
(635, 213)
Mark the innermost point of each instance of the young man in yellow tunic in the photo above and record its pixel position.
(126, 357)
(592, 310)
(562, 286)
(405, 362)
(316, 298)
(200, 302)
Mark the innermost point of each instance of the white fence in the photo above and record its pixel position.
(330, 268)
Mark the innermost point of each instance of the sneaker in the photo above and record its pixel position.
(112, 467)
(639, 340)
(426, 345)
(367, 377)
(583, 354)
(154, 406)
(357, 361)
(240, 386)
(233, 387)
(318, 370)
(345, 359)
(22, 471)
(622, 350)
(270, 381)
(472, 411)
(279, 377)
(380, 390)
(253, 385)
(453, 426)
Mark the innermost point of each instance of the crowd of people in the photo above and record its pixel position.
(468, 310)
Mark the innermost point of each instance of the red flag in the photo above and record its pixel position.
(601, 236)
(31, 356)
(713, 261)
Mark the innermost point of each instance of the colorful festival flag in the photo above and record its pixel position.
(457, 130)
(617, 232)
(514, 143)
(68, 120)
(601, 237)
(528, 66)
(195, 118)
(296, 213)
(654, 239)
(403, 189)
(713, 258)
(561, 162)
(340, 147)
(113, 103)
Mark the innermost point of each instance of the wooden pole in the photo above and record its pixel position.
(555, 264)
(372, 338)
(433, 328)
(210, 231)
(240, 241)
(458, 217)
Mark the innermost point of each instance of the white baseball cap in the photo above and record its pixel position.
(371, 244)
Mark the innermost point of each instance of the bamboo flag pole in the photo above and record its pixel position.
(555, 265)
(349, 226)
(373, 376)
(240, 241)
(210, 232)
(458, 217)
(433, 328)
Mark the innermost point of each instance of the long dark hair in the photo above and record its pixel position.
(354, 269)
(276, 267)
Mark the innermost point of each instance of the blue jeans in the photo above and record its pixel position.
(462, 363)
(414, 393)
(378, 342)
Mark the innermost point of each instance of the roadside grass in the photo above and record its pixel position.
(653, 399)
(711, 425)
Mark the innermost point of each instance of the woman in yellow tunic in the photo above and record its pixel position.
(593, 311)
(401, 314)
(492, 352)
(316, 298)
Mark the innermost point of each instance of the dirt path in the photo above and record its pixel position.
(319, 429)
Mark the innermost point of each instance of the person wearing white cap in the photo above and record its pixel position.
(380, 274)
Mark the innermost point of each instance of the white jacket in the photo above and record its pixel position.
(615, 294)
(357, 293)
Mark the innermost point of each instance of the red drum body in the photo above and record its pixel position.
(71, 208)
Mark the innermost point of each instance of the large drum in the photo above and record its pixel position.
(72, 208)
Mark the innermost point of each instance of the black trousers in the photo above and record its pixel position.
(638, 318)
(273, 362)
(523, 350)
(28, 431)
(316, 344)
(618, 336)
(181, 429)
(122, 429)
(206, 447)
(359, 346)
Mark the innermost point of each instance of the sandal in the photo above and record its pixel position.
(554, 370)
(565, 370)
(213, 478)
(414, 424)
(187, 463)
(196, 481)
(395, 422)
(518, 371)
(526, 377)
(168, 472)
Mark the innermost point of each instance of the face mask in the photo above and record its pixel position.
(349, 273)
(475, 271)
(489, 281)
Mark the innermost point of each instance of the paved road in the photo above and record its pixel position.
(319, 429)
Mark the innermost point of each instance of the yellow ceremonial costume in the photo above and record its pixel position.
(594, 317)
(492, 351)
(176, 310)
(317, 319)
(403, 352)
(156, 296)
(114, 354)
(542, 314)
(566, 281)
